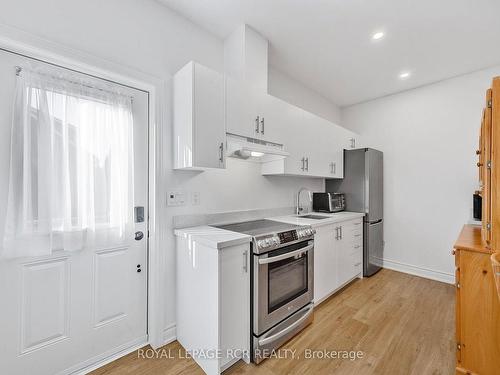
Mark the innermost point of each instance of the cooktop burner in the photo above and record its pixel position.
(269, 234)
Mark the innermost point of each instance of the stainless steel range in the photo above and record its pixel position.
(282, 282)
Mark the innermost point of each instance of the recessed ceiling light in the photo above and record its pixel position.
(404, 75)
(378, 35)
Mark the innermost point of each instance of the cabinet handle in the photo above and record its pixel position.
(353, 142)
(331, 168)
(334, 168)
(303, 160)
(245, 261)
(221, 152)
(262, 125)
(479, 164)
(341, 233)
(337, 233)
(478, 152)
(307, 164)
(357, 264)
(257, 121)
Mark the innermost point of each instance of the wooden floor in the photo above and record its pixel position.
(403, 324)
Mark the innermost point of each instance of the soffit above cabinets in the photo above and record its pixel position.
(327, 45)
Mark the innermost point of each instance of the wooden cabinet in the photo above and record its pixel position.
(198, 118)
(213, 302)
(338, 256)
(477, 306)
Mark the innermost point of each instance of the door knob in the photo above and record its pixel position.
(139, 236)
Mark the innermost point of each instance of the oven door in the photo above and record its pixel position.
(283, 284)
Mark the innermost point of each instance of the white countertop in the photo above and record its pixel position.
(213, 237)
(332, 218)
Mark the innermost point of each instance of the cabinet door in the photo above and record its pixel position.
(234, 303)
(325, 267)
(275, 118)
(296, 140)
(208, 118)
(242, 109)
(479, 312)
(486, 156)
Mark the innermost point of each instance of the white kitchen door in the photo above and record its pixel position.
(63, 312)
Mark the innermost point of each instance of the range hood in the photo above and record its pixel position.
(252, 149)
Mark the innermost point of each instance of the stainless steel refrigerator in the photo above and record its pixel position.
(363, 187)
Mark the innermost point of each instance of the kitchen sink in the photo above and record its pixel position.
(314, 217)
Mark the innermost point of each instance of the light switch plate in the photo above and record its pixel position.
(195, 198)
(176, 198)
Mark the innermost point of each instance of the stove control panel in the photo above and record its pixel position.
(281, 239)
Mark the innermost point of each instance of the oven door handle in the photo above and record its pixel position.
(277, 258)
(291, 327)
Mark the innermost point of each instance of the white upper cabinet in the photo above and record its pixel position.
(316, 146)
(242, 109)
(199, 127)
(250, 112)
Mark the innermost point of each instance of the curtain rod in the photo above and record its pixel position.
(20, 69)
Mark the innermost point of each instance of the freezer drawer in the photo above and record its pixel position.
(373, 251)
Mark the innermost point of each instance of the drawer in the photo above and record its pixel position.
(356, 262)
(357, 249)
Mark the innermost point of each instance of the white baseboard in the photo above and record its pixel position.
(169, 334)
(105, 358)
(427, 273)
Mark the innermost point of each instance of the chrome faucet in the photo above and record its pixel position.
(298, 208)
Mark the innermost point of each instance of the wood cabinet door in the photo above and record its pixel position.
(479, 314)
(484, 158)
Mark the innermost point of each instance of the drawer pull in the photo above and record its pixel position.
(357, 235)
(357, 246)
(357, 264)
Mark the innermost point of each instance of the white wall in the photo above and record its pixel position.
(144, 36)
(285, 87)
(429, 136)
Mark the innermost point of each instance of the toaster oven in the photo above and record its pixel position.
(328, 202)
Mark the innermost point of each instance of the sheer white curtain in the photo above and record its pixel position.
(71, 175)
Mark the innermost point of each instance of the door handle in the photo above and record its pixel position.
(221, 151)
(262, 125)
(257, 124)
(245, 261)
(139, 236)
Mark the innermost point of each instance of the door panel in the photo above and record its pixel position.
(373, 247)
(45, 292)
(69, 308)
(375, 185)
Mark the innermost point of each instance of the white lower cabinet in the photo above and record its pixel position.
(213, 303)
(338, 256)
